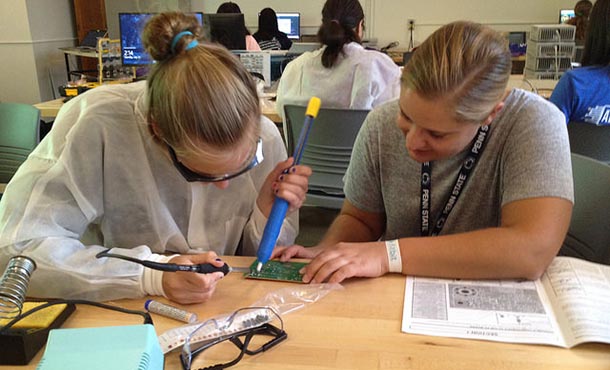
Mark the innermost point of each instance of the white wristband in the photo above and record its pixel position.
(394, 259)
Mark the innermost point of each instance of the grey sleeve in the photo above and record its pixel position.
(362, 179)
(536, 161)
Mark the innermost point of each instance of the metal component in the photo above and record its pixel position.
(14, 285)
(245, 270)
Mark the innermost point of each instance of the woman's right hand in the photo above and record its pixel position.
(290, 186)
(192, 287)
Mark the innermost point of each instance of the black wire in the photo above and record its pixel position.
(202, 268)
(144, 314)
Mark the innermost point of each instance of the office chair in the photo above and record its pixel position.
(589, 234)
(328, 150)
(590, 140)
(19, 135)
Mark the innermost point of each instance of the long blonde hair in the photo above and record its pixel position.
(466, 63)
(199, 94)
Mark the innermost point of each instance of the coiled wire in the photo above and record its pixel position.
(14, 285)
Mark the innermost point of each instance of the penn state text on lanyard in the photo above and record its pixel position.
(458, 185)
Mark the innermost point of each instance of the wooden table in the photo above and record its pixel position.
(544, 88)
(354, 328)
(49, 109)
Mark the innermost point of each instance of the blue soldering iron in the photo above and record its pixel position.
(280, 206)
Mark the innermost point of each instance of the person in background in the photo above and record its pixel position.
(454, 176)
(180, 168)
(582, 9)
(268, 36)
(583, 94)
(342, 73)
(230, 7)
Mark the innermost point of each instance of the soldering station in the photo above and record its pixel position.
(27, 325)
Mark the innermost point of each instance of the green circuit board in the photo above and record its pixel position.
(276, 270)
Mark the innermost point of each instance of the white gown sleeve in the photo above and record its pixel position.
(54, 199)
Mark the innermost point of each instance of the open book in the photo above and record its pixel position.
(569, 305)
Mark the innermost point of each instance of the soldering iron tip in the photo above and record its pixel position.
(259, 267)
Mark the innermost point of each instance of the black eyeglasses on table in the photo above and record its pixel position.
(245, 332)
(243, 345)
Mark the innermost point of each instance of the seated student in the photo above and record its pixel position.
(342, 73)
(268, 35)
(583, 94)
(582, 9)
(230, 7)
(455, 175)
(167, 170)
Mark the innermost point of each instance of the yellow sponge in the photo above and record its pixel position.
(39, 320)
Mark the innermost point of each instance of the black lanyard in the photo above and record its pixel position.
(458, 186)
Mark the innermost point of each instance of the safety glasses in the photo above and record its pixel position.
(254, 160)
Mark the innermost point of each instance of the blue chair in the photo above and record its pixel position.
(19, 135)
(328, 150)
(589, 234)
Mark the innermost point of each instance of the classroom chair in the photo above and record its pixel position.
(590, 140)
(589, 234)
(19, 135)
(328, 150)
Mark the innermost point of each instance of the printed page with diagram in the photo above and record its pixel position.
(514, 311)
(581, 291)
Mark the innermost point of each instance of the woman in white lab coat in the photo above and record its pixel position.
(180, 168)
(343, 74)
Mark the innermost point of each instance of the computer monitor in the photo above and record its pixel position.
(228, 29)
(257, 63)
(131, 26)
(290, 24)
(516, 38)
(565, 15)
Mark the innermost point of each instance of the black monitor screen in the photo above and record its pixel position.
(565, 15)
(131, 26)
(516, 38)
(228, 29)
(290, 24)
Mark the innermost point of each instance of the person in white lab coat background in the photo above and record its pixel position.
(343, 74)
(180, 168)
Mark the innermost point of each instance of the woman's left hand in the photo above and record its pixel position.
(291, 186)
(345, 260)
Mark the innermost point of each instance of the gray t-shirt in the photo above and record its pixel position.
(527, 155)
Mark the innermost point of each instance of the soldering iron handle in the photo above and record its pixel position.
(280, 205)
(272, 229)
(208, 268)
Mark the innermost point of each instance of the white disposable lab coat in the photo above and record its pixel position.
(99, 180)
(360, 79)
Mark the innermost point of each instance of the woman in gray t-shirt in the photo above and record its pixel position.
(461, 178)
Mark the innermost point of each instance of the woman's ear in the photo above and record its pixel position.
(497, 108)
(360, 29)
(154, 128)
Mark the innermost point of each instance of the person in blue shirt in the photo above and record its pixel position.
(583, 94)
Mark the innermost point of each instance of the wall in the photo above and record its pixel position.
(16, 54)
(31, 31)
(52, 27)
(387, 20)
(30, 34)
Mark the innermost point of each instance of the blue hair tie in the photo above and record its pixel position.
(177, 38)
